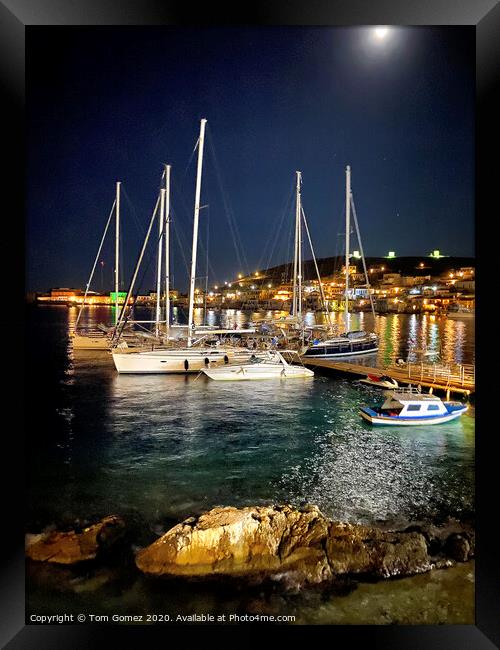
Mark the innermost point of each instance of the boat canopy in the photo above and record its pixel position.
(400, 399)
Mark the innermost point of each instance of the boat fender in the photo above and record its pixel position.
(207, 361)
(186, 364)
(226, 359)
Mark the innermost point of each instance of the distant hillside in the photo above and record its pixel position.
(403, 265)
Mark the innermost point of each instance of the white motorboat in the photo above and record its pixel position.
(380, 381)
(409, 407)
(272, 365)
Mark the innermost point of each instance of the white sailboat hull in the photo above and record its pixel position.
(175, 361)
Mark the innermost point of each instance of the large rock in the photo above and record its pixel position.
(270, 541)
(73, 547)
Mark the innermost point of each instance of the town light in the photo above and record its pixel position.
(239, 275)
(391, 254)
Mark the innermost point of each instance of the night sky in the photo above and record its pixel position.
(107, 104)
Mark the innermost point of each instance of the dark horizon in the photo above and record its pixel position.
(107, 104)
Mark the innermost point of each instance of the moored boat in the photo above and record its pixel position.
(272, 365)
(346, 345)
(351, 342)
(380, 381)
(177, 360)
(409, 407)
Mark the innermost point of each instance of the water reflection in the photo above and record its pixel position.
(168, 446)
(401, 336)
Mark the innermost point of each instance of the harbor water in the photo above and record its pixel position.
(158, 448)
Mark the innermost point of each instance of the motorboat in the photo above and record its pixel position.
(410, 407)
(380, 381)
(270, 365)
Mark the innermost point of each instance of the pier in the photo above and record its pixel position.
(449, 379)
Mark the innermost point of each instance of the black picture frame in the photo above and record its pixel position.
(15, 16)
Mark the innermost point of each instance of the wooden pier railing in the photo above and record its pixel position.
(459, 378)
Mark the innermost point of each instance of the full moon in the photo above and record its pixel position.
(381, 32)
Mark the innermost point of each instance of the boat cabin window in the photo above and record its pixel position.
(433, 407)
(413, 407)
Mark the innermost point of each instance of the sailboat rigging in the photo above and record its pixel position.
(350, 343)
(194, 356)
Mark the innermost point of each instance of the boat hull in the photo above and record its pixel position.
(378, 384)
(323, 352)
(90, 343)
(373, 418)
(173, 361)
(252, 374)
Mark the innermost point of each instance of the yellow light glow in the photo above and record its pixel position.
(239, 275)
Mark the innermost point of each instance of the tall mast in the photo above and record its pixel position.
(195, 230)
(167, 249)
(158, 270)
(117, 249)
(296, 267)
(347, 233)
(299, 248)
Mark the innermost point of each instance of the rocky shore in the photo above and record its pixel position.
(288, 548)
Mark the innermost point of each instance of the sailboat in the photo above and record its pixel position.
(350, 343)
(99, 339)
(292, 328)
(195, 356)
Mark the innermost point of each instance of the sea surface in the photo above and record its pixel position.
(156, 449)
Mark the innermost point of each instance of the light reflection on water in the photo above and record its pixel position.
(170, 446)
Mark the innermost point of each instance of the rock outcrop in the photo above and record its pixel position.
(282, 543)
(236, 542)
(353, 549)
(73, 547)
(277, 544)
